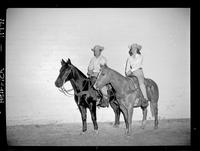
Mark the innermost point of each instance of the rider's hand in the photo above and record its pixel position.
(90, 72)
(128, 73)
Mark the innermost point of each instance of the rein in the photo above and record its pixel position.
(87, 92)
(66, 92)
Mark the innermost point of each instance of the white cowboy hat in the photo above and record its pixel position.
(98, 47)
(134, 45)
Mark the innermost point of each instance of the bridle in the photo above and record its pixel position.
(67, 92)
(63, 90)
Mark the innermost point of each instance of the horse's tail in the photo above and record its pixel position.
(154, 95)
(152, 109)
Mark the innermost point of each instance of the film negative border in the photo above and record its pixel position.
(3, 141)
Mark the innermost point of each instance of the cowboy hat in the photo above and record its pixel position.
(97, 47)
(134, 45)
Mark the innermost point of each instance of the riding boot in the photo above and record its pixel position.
(104, 102)
(145, 102)
(98, 98)
(98, 101)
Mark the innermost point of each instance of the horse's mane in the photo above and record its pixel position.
(116, 72)
(79, 71)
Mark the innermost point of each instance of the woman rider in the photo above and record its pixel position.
(134, 67)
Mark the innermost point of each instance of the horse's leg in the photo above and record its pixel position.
(130, 114)
(155, 108)
(92, 108)
(125, 114)
(83, 111)
(116, 110)
(144, 112)
(130, 101)
(153, 94)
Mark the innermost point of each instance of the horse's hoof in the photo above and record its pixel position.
(96, 132)
(142, 126)
(82, 133)
(116, 125)
(128, 134)
(155, 127)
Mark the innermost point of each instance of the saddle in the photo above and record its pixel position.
(134, 85)
(98, 94)
(133, 82)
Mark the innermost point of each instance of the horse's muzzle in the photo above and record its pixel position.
(58, 84)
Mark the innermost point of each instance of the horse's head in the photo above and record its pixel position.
(103, 77)
(65, 73)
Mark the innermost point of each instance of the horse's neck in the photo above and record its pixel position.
(77, 80)
(115, 86)
(117, 81)
(74, 85)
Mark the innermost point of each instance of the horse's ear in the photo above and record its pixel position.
(103, 66)
(62, 62)
(69, 61)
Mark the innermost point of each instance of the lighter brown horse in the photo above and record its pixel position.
(129, 95)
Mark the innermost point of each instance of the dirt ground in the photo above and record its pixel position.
(170, 132)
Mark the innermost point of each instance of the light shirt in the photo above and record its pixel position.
(95, 63)
(133, 63)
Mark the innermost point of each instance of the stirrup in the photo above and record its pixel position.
(145, 103)
(103, 103)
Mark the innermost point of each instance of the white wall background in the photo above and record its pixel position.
(37, 39)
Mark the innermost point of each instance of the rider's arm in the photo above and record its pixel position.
(103, 61)
(90, 67)
(128, 67)
(137, 63)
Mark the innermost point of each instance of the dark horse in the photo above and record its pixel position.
(84, 94)
(128, 94)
